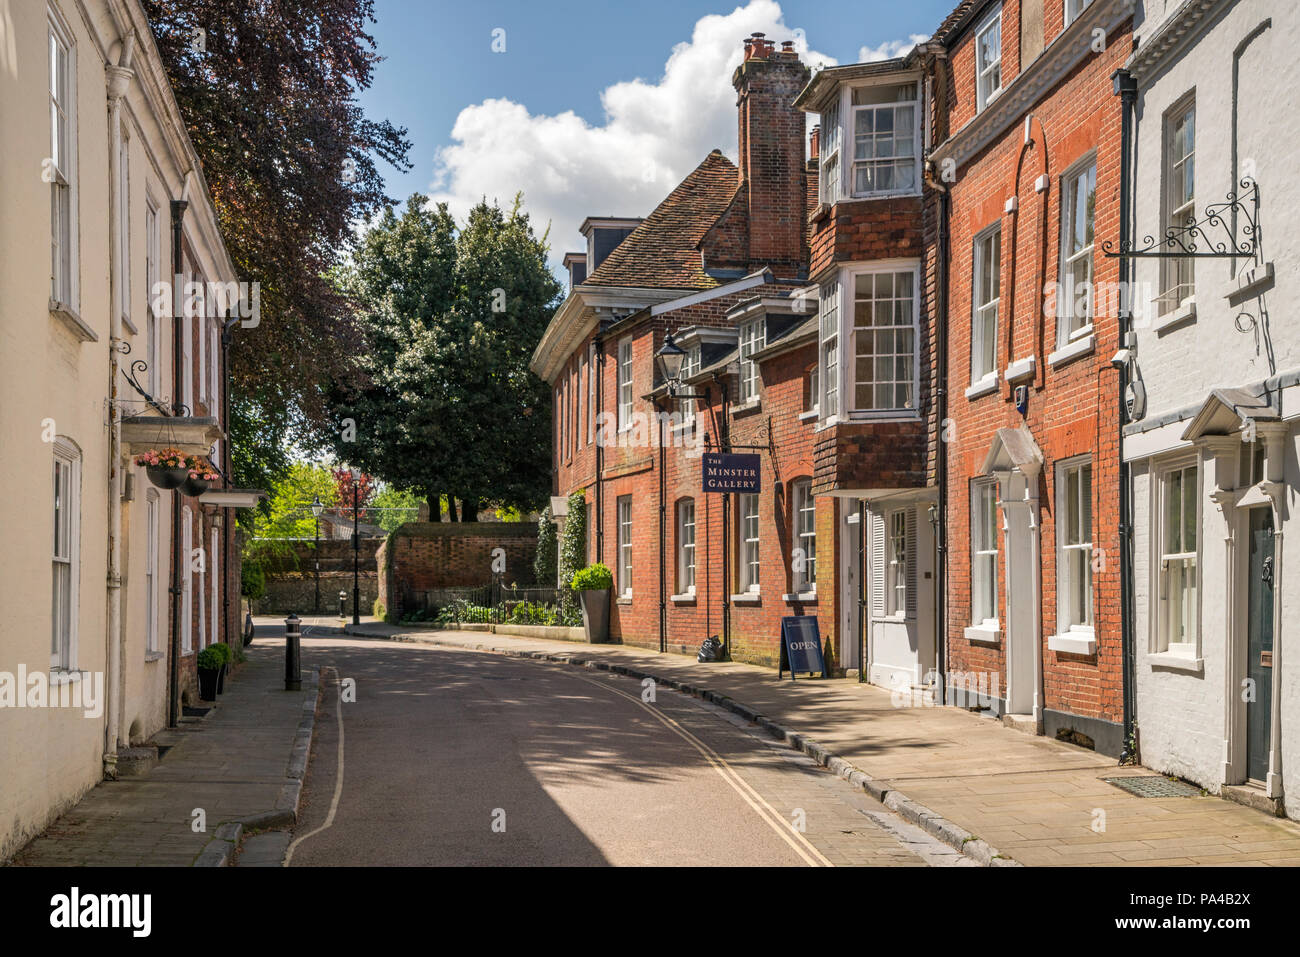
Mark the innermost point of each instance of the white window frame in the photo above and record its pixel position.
(187, 581)
(690, 365)
(202, 589)
(202, 336)
(897, 549)
(61, 172)
(214, 368)
(153, 530)
(1067, 331)
(851, 132)
(748, 531)
(753, 337)
(984, 554)
(803, 513)
(592, 376)
(1074, 556)
(65, 555)
(829, 363)
(686, 546)
(187, 346)
(985, 308)
(1172, 556)
(1073, 9)
(829, 165)
(124, 226)
(985, 91)
(849, 334)
(624, 516)
(1177, 275)
(584, 376)
(624, 396)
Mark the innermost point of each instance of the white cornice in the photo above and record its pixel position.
(1052, 65)
(1171, 36)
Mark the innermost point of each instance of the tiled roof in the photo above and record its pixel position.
(956, 20)
(664, 251)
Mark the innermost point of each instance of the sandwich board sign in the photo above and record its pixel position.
(801, 646)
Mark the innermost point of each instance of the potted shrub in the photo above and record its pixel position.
(210, 661)
(199, 476)
(227, 656)
(593, 585)
(167, 468)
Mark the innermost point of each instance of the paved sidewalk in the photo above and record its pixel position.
(235, 763)
(1035, 800)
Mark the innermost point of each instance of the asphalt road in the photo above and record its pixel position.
(451, 757)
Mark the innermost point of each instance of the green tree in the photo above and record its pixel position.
(573, 545)
(389, 498)
(269, 95)
(289, 514)
(449, 404)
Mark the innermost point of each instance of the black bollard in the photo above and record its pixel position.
(292, 653)
(343, 602)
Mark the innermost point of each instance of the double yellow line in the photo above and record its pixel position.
(768, 814)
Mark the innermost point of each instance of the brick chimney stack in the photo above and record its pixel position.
(771, 142)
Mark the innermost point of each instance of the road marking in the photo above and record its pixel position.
(338, 787)
(810, 855)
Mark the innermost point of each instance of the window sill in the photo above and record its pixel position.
(1172, 661)
(1074, 643)
(747, 598)
(1251, 281)
(687, 598)
(65, 314)
(810, 416)
(984, 634)
(130, 326)
(1082, 346)
(64, 676)
(885, 415)
(800, 598)
(1171, 320)
(625, 599)
(154, 656)
(1021, 369)
(747, 406)
(984, 386)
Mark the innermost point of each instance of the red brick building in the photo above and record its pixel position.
(1028, 154)
(722, 265)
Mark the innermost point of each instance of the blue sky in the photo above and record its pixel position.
(593, 107)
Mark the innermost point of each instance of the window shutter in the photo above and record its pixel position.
(911, 562)
(877, 570)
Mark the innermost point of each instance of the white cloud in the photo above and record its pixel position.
(653, 134)
(891, 48)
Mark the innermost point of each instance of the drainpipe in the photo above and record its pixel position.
(1126, 88)
(227, 513)
(663, 602)
(119, 80)
(178, 207)
(941, 447)
(599, 369)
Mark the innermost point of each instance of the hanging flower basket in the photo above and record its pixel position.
(199, 476)
(166, 468)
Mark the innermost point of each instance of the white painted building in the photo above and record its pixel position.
(95, 152)
(1214, 454)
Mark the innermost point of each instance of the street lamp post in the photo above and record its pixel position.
(316, 508)
(356, 550)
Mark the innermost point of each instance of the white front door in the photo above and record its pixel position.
(1020, 525)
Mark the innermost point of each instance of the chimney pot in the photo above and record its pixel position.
(787, 46)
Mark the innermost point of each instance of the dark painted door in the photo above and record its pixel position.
(1259, 646)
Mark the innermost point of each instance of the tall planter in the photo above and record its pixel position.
(208, 678)
(595, 613)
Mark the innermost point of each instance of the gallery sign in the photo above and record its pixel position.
(731, 472)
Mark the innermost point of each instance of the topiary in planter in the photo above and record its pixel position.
(592, 578)
(593, 585)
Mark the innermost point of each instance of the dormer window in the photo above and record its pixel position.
(988, 60)
(830, 150)
(752, 338)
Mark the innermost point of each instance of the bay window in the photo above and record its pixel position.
(884, 341)
(828, 375)
(690, 366)
(830, 154)
(885, 139)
